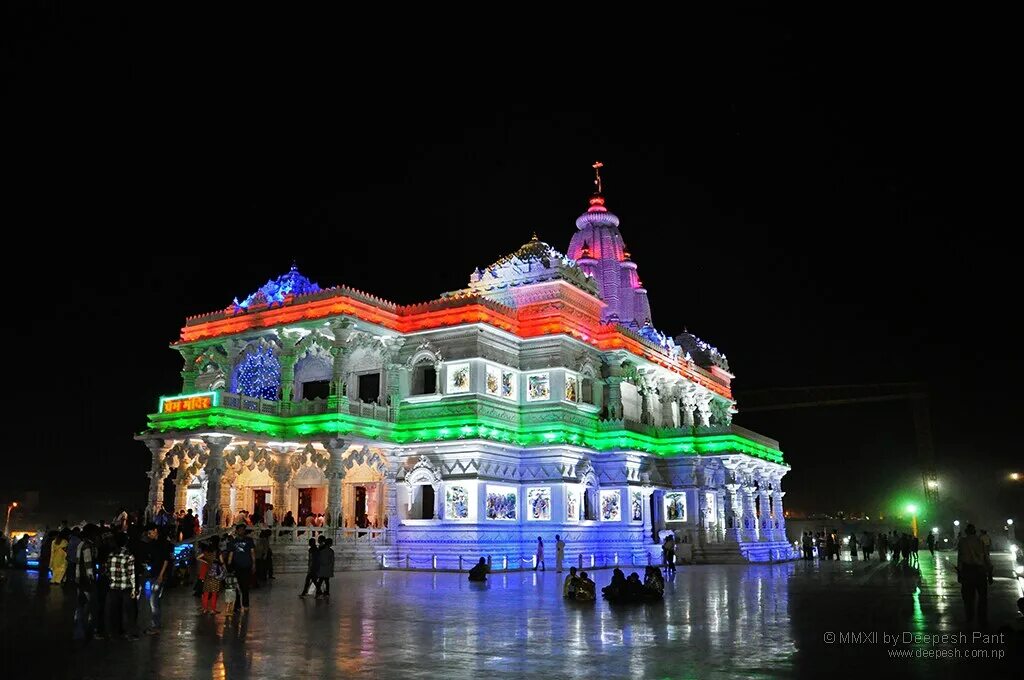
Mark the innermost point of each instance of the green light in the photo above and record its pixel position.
(563, 426)
(911, 509)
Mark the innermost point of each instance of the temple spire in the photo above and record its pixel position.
(597, 176)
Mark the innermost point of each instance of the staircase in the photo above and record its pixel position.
(743, 552)
(348, 556)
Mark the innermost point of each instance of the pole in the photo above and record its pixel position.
(7, 521)
(913, 525)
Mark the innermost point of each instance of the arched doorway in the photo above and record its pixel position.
(252, 491)
(309, 493)
(362, 497)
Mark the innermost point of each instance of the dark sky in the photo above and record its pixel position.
(811, 195)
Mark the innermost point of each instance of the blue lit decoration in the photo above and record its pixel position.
(276, 290)
(259, 375)
(652, 334)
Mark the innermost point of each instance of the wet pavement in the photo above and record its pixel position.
(716, 621)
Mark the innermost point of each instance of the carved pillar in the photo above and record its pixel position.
(287, 361)
(335, 472)
(780, 515)
(216, 509)
(749, 513)
(437, 500)
(646, 417)
(765, 525)
(337, 374)
(704, 409)
(438, 365)
(702, 516)
(189, 372)
(394, 386)
(282, 474)
(181, 482)
(687, 403)
(733, 513)
(719, 515)
(614, 397)
(391, 500)
(158, 472)
(646, 493)
(666, 397)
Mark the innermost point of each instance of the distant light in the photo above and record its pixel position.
(956, 522)
(1009, 522)
(935, 530)
(933, 484)
(912, 509)
(1015, 476)
(945, 540)
(1019, 569)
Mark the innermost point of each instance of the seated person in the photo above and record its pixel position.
(654, 584)
(571, 584)
(587, 589)
(479, 571)
(616, 588)
(634, 589)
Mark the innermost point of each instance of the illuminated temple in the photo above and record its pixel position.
(538, 400)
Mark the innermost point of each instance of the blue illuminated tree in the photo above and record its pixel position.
(258, 375)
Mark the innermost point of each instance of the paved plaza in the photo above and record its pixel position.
(716, 621)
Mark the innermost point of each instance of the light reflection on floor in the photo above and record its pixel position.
(733, 621)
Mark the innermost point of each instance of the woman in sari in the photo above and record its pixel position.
(59, 558)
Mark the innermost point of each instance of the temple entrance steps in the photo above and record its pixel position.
(348, 556)
(743, 552)
(511, 557)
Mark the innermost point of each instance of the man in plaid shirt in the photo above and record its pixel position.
(121, 598)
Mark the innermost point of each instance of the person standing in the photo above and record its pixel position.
(974, 568)
(242, 563)
(853, 547)
(59, 558)
(931, 543)
(262, 556)
(268, 515)
(45, 551)
(311, 567)
(539, 559)
(668, 554)
(325, 569)
(123, 591)
(160, 557)
(84, 578)
(559, 552)
(883, 547)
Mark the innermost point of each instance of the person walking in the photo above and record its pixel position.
(160, 557)
(931, 543)
(325, 569)
(242, 563)
(84, 577)
(559, 553)
(311, 567)
(668, 554)
(973, 566)
(123, 592)
(539, 558)
(853, 547)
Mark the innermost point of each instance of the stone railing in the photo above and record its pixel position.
(297, 535)
(306, 407)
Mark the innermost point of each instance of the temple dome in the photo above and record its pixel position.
(276, 290)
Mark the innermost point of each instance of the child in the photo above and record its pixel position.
(230, 588)
(212, 584)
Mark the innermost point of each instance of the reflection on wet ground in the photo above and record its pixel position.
(728, 621)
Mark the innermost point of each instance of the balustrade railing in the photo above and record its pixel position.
(506, 563)
(317, 406)
(288, 535)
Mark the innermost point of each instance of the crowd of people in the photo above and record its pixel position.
(900, 548)
(109, 567)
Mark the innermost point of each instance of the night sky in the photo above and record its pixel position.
(812, 197)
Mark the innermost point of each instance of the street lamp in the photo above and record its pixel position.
(7, 522)
(912, 511)
(1009, 530)
(935, 530)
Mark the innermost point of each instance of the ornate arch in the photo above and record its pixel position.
(423, 472)
(425, 353)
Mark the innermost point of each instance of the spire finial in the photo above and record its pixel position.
(597, 175)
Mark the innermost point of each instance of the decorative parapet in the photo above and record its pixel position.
(467, 419)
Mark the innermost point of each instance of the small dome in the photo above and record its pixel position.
(534, 249)
(276, 290)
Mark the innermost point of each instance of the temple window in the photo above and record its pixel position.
(369, 387)
(424, 380)
(316, 389)
(587, 391)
